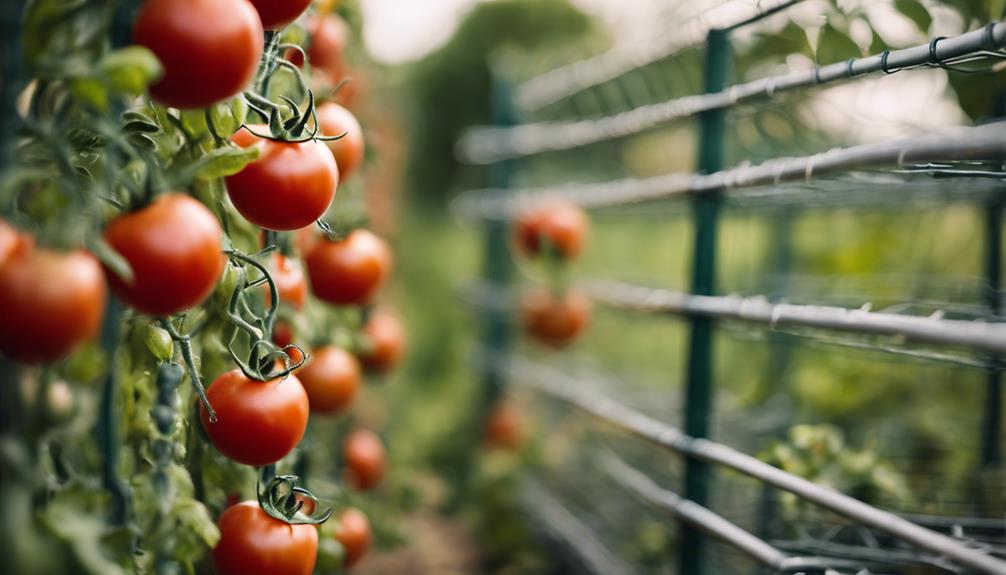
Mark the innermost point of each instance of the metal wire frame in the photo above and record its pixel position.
(563, 82)
(965, 143)
(486, 145)
(561, 386)
(712, 523)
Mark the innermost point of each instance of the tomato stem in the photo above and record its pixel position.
(185, 345)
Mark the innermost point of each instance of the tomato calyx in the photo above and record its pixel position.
(283, 500)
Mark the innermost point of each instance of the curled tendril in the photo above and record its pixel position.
(281, 499)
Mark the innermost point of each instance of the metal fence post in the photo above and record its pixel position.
(698, 403)
(991, 443)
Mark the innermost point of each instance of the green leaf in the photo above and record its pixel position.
(90, 92)
(916, 12)
(140, 126)
(131, 69)
(225, 161)
(834, 45)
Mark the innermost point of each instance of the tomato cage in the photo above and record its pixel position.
(747, 399)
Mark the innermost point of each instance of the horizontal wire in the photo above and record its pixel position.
(559, 385)
(485, 145)
(707, 520)
(563, 82)
(976, 334)
(964, 143)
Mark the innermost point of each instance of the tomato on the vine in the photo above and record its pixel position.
(209, 49)
(173, 247)
(385, 342)
(288, 187)
(349, 271)
(555, 320)
(290, 282)
(334, 120)
(50, 302)
(329, 36)
(254, 543)
(9, 239)
(363, 454)
(278, 14)
(331, 379)
(353, 533)
(559, 227)
(504, 427)
(258, 422)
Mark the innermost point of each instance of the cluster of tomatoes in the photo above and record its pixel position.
(174, 255)
(552, 232)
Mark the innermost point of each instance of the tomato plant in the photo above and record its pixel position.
(554, 319)
(288, 187)
(349, 271)
(290, 281)
(353, 532)
(329, 36)
(258, 422)
(504, 427)
(209, 49)
(331, 379)
(173, 248)
(50, 302)
(384, 344)
(334, 120)
(553, 228)
(364, 456)
(254, 543)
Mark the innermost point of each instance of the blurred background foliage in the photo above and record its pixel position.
(898, 431)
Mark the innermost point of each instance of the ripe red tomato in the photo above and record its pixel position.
(331, 379)
(9, 239)
(329, 36)
(553, 320)
(561, 224)
(350, 271)
(504, 427)
(353, 532)
(363, 454)
(352, 90)
(288, 187)
(334, 120)
(50, 302)
(253, 543)
(258, 423)
(386, 338)
(290, 282)
(173, 246)
(278, 14)
(282, 335)
(209, 49)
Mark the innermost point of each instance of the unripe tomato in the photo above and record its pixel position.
(353, 533)
(289, 279)
(253, 543)
(334, 120)
(329, 36)
(504, 427)
(288, 187)
(562, 225)
(50, 302)
(331, 379)
(349, 271)
(555, 320)
(209, 49)
(363, 454)
(173, 247)
(277, 14)
(258, 423)
(385, 342)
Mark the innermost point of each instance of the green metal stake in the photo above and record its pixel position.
(699, 383)
(992, 416)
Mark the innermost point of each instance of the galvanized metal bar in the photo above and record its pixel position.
(698, 403)
(578, 393)
(975, 334)
(492, 144)
(569, 80)
(991, 440)
(971, 143)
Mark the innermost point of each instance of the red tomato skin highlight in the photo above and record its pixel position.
(173, 247)
(354, 535)
(364, 456)
(253, 543)
(50, 302)
(349, 271)
(258, 423)
(288, 187)
(209, 49)
(348, 150)
(387, 338)
(331, 379)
